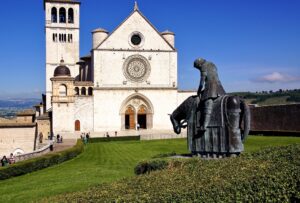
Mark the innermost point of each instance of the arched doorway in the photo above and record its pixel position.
(129, 118)
(136, 109)
(77, 125)
(142, 117)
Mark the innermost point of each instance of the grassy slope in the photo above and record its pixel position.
(102, 162)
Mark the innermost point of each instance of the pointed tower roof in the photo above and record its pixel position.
(136, 8)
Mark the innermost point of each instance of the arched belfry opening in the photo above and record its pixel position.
(136, 109)
(54, 15)
(70, 15)
(62, 15)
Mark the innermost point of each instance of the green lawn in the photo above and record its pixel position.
(103, 162)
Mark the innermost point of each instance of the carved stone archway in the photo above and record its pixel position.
(143, 112)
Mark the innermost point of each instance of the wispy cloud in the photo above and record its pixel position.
(277, 77)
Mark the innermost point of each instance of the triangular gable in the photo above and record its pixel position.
(119, 37)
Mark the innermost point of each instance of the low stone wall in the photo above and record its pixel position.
(279, 118)
(39, 152)
(162, 136)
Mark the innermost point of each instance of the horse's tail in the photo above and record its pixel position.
(245, 119)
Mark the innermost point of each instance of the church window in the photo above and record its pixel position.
(83, 91)
(59, 37)
(70, 38)
(90, 91)
(54, 15)
(62, 15)
(54, 37)
(70, 15)
(76, 91)
(62, 90)
(136, 68)
(136, 39)
(65, 38)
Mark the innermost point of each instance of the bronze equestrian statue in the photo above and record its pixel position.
(217, 124)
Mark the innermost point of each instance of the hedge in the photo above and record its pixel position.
(30, 165)
(270, 175)
(108, 139)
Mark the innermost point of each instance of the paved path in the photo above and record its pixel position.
(67, 143)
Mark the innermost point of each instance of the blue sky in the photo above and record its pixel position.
(254, 43)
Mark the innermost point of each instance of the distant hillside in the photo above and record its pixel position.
(18, 103)
(9, 107)
(270, 97)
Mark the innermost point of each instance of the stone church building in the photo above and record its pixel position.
(128, 79)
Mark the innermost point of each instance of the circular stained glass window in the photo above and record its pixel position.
(136, 68)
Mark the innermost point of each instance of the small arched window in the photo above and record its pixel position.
(54, 15)
(90, 91)
(70, 15)
(62, 15)
(76, 91)
(62, 90)
(83, 91)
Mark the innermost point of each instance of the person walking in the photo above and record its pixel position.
(4, 161)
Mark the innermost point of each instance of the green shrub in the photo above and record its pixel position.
(108, 139)
(164, 155)
(30, 165)
(270, 175)
(148, 166)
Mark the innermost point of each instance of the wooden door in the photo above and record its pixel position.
(129, 114)
(77, 125)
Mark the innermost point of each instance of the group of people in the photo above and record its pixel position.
(7, 161)
(59, 138)
(85, 137)
(107, 134)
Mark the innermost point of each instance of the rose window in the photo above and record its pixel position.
(136, 68)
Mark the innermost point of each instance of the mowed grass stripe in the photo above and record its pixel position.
(102, 162)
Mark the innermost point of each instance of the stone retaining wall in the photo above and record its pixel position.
(39, 152)
(279, 118)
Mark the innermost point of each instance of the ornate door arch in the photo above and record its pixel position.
(136, 109)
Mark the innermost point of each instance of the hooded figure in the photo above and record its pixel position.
(209, 89)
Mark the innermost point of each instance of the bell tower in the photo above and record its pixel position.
(62, 38)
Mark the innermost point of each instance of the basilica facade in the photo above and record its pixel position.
(128, 79)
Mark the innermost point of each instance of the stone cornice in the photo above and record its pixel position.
(137, 50)
(135, 88)
(62, 27)
(62, 78)
(83, 83)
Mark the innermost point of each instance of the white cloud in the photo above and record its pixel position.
(277, 77)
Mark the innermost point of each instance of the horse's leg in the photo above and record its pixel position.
(233, 118)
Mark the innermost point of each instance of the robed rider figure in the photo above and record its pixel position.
(209, 89)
